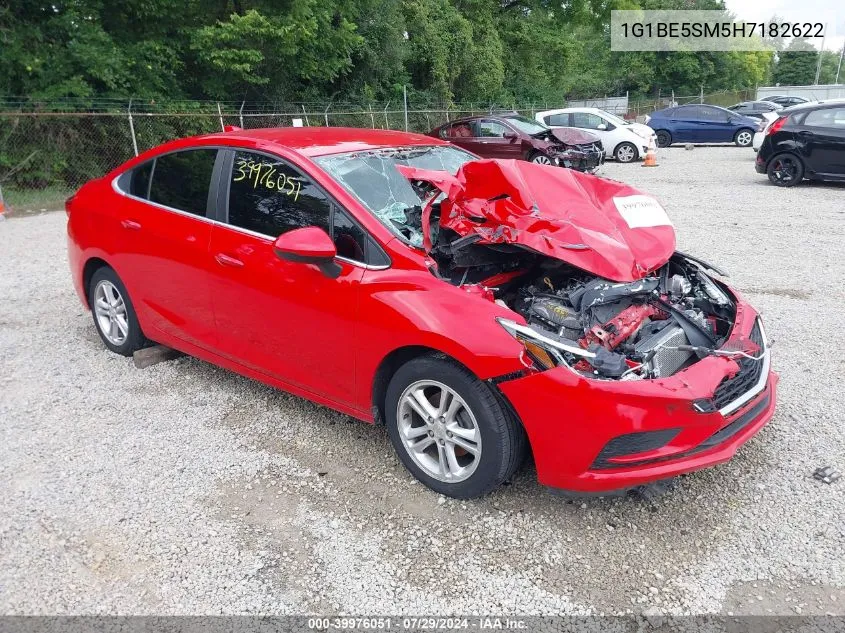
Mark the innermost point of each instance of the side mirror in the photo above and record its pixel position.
(309, 245)
(601, 127)
(510, 136)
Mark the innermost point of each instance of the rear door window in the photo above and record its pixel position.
(712, 114)
(686, 112)
(458, 130)
(492, 129)
(558, 120)
(585, 120)
(139, 180)
(829, 118)
(181, 180)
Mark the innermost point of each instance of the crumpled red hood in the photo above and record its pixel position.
(601, 226)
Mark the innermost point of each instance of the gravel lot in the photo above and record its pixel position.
(184, 488)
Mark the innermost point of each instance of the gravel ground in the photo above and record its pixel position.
(184, 488)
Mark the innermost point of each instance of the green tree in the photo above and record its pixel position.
(796, 66)
(830, 62)
(279, 47)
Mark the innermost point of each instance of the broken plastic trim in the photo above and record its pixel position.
(702, 264)
(513, 328)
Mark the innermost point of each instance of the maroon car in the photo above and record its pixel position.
(514, 136)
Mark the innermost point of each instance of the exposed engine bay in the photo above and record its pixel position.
(646, 312)
(643, 329)
(650, 328)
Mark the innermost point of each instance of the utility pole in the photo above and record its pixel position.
(839, 66)
(821, 52)
(405, 101)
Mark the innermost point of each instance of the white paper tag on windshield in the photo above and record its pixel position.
(641, 211)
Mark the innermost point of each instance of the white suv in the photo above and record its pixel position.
(623, 140)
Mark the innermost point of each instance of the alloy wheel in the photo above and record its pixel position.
(439, 431)
(541, 159)
(625, 154)
(744, 139)
(785, 169)
(110, 310)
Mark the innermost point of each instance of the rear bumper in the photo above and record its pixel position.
(576, 426)
(74, 256)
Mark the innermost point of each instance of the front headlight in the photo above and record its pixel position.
(544, 351)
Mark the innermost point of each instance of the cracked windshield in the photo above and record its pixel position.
(372, 177)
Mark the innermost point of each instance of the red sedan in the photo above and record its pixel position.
(478, 308)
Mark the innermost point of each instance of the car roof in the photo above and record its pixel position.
(598, 111)
(812, 105)
(685, 105)
(752, 102)
(474, 117)
(320, 141)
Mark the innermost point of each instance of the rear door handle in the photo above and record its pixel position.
(132, 225)
(226, 260)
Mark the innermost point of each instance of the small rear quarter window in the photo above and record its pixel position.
(139, 180)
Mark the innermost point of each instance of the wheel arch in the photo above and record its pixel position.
(391, 363)
(627, 142)
(665, 131)
(92, 265)
(791, 151)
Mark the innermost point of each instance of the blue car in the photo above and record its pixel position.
(701, 123)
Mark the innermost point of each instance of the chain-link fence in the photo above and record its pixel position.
(48, 150)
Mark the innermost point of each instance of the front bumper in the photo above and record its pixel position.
(575, 425)
(587, 161)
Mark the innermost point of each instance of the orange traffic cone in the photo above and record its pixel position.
(650, 154)
(2, 205)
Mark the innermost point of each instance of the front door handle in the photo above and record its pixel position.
(227, 260)
(132, 225)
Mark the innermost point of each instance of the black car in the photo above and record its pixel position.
(806, 141)
(755, 109)
(785, 101)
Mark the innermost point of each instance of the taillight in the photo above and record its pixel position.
(777, 125)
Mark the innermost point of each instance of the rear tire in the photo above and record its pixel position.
(664, 139)
(626, 152)
(744, 138)
(785, 170)
(465, 449)
(114, 316)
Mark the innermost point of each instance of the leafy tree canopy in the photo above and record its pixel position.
(498, 51)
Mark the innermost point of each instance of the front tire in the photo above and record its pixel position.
(539, 158)
(625, 152)
(664, 139)
(744, 138)
(450, 429)
(785, 170)
(114, 316)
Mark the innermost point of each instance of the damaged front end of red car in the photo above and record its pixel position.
(633, 350)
